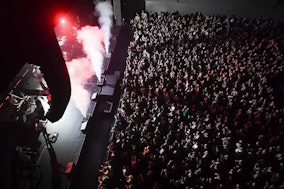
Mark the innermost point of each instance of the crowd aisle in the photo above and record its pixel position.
(197, 109)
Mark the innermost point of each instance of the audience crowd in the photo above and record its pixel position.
(197, 108)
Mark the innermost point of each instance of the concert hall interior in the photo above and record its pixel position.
(116, 94)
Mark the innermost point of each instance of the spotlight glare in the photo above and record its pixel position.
(62, 21)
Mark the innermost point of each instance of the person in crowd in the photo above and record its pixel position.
(197, 108)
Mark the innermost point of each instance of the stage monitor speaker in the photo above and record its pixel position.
(94, 96)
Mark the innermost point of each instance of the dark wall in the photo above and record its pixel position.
(129, 8)
(84, 10)
(240, 8)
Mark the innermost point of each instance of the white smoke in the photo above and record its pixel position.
(80, 70)
(95, 42)
(105, 11)
(83, 69)
(91, 37)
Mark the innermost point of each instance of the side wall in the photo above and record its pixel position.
(241, 8)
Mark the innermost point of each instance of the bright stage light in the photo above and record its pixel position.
(62, 21)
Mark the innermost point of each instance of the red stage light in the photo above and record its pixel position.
(61, 18)
(62, 21)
